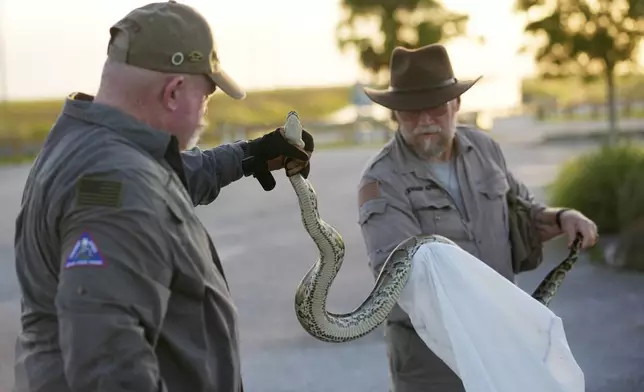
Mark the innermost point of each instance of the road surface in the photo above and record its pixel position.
(266, 252)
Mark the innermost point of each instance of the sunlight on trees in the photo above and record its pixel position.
(587, 39)
(373, 28)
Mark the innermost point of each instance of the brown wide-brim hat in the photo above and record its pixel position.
(420, 79)
(173, 38)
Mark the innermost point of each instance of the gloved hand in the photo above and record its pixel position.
(273, 152)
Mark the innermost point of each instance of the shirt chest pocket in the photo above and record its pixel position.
(493, 208)
(188, 231)
(193, 253)
(437, 214)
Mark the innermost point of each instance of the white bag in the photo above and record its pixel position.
(491, 333)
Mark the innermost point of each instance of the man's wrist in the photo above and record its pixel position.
(247, 159)
(551, 216)
(559, 214)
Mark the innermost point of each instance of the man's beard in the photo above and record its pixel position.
(196, 136)
(431, 147)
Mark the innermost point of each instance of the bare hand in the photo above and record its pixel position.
(573, 222)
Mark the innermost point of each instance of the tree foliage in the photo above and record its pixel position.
(585, 38)
(408, 23)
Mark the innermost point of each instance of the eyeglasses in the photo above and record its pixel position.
(414, 115)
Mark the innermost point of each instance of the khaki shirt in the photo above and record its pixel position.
(122, 288)
(399, 198)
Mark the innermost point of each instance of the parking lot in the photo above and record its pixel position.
(266, 252)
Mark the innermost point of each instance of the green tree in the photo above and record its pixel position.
(586, 38)
(375, 27)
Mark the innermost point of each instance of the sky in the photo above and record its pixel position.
(262, 44)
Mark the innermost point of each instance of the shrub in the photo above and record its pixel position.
(606, 185)
(629, 247)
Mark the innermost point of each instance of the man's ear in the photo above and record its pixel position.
(172, 91)
(394, 117)
(458, 103)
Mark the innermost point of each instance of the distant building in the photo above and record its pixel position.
(358, 96)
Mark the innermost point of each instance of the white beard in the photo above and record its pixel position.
(196, 136)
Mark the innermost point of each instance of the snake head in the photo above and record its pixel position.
(293, 129)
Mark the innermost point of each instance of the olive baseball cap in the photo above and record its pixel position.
(174, 38)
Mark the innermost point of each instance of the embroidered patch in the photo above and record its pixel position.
(85, 253)
(99, 193)
(368, 191)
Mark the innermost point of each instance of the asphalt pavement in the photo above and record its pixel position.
(266, 252)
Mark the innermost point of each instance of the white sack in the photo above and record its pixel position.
(492, 334)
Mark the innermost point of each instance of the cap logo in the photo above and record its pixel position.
(177, 58)
(195, 56)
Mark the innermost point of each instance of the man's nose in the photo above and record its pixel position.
(425, 119)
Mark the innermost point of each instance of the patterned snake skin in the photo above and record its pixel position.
(311, 294)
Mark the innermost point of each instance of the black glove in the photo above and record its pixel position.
(269, 147)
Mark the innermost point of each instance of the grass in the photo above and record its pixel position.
(571, 91)
(559, 118)
(17, 160)
(28, 158)
(27, 122)
(271, 107)
(321, 147)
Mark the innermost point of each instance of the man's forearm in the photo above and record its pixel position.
(546, 223)
(208, 171)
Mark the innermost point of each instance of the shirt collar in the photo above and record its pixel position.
(81, 106)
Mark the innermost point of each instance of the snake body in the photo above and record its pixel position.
(312, 291)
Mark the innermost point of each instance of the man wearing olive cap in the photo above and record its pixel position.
(122, 289)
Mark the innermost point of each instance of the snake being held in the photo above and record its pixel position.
(312, 292)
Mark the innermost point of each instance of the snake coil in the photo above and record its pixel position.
(312, 291)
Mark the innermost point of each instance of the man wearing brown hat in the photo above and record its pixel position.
(122, 288)
(437, 177)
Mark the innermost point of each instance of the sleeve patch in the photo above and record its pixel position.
(85, 253)
(368, 191)
(99, 193)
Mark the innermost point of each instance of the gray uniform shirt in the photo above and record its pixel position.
(122, 289)
(401, 196)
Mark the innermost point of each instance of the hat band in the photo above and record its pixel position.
(162, 61)
(444, 83)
